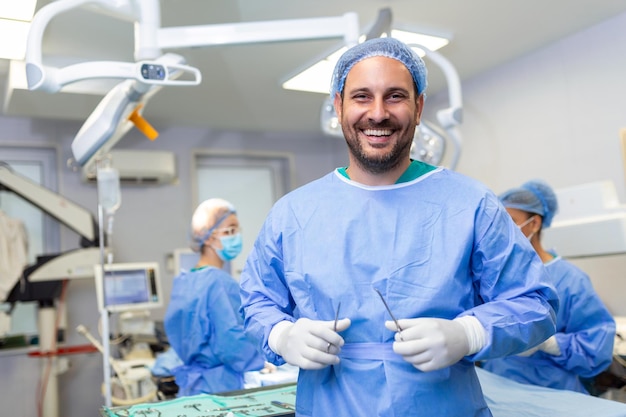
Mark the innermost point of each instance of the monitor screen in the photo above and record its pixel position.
(128, 286)
(185, 260)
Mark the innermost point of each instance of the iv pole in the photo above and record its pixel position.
(104, 318)
(109, 200)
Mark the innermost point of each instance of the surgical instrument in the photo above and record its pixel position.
(390, 313)
(335, 325)
(281, 404)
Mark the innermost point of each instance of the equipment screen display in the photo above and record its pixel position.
(128, 287)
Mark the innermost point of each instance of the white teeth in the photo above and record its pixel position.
(372, 132)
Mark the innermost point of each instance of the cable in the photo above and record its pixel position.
(120, 372)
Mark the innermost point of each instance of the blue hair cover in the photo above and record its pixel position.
(533, 197)
(385, 47)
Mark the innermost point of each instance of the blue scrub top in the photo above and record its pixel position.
(205, 329)
(440, 245)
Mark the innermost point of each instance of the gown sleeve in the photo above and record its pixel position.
(517, 303)
(587, 332)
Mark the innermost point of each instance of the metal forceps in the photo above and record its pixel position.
(335, 326)
(390, 313)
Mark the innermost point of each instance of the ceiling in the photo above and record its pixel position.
(240, 87)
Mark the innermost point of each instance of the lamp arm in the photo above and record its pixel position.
(453, 115)
(346, 26)
(40, 77)
(455, 136)
(150, 38)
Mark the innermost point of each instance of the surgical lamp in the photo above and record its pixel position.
(429, 141)
(122, 106)
(120, 109)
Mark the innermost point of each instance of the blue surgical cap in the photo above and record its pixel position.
(533, 197)
(385, 47)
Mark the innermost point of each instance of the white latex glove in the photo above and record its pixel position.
(308, 344)
(432, 343)
(550, 346)
(529, 352)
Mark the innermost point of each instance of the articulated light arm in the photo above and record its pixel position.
(150, 39)
(148, 72)
(40, 77)
(346, 26)
(451, 117)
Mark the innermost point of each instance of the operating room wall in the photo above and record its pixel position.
(554, 114)
(151, 222)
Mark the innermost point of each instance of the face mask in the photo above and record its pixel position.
(231, 247)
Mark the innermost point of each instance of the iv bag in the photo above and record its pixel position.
(109, 195)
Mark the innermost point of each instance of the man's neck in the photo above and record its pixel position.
(362, 176)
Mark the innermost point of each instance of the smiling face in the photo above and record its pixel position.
(378, 114)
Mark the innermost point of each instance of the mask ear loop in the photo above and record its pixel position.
(526, 222)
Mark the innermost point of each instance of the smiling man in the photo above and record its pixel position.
(438, 247)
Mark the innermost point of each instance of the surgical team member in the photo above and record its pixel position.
(202, 321)
(585, 330)
(444, 254)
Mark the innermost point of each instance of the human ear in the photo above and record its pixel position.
(337, 103)
(419, 106)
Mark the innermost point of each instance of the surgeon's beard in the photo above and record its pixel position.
(379, 164)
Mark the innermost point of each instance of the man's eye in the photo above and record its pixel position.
(360, 97)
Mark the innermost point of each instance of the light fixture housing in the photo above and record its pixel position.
(429, 143)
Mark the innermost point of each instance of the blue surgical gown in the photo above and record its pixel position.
(585, 332)
(440, 245)
(205, 328)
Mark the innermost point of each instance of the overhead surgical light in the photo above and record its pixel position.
(429, 143)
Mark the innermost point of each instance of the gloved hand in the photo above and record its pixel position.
(430, 343)
(549, 346)
(528, 352)
(308, 344)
